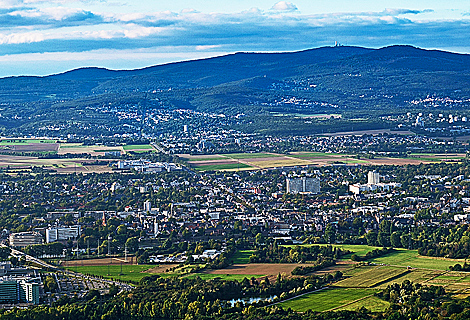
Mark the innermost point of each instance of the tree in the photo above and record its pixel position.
(371, 238)
(50, 284)
(330, 233)
(395, 240)
(132, 244)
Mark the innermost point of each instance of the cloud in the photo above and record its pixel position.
(29, 30)
(284, 6)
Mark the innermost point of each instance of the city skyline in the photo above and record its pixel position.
(40, 37)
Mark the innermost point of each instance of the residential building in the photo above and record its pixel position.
(303, 185)
(373, 177)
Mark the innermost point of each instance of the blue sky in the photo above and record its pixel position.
(39, 37)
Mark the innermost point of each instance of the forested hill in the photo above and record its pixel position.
(318, 80)
(321, 63)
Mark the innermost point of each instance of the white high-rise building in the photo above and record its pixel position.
(147, 206)
(300, 185)
(373, 177)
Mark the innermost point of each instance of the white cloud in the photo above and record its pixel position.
(284, 6)
(205, 48)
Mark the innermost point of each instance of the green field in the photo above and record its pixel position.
(137, 147)
(315, 155)
(228, 277)
(358, 249)
(401, 257)
(20, 142)
(404, 257)
(251, 155)
(371, 277)
(242, 256)
(129, 272)
(203, 159)
(371, 303)
(326, 299)
(226, 166)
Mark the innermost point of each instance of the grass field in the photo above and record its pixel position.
(327, 299)
(225, 166)
(403, 257)
(371, 303)
(354, 248)
(137, 147)
(19, 142)
(228, 277)
(371, 277)
(129, 272)
(242, 256)
(251, 155)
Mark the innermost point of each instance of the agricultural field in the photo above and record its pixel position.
(327, 299)
(253, 161)
(371, 303)
(65, 165)
(227, 277)
(93, 150)
(401, 258)
(257, 269)
(371, 277)
(404, 258)
(230, 166)
(43, 146)
(138, 148)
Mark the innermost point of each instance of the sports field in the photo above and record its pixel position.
(129, 272)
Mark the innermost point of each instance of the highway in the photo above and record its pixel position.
(19, 254)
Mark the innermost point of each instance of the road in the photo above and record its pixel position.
(19, 254)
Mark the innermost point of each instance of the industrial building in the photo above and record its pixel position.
(24, 239)
(62, 233)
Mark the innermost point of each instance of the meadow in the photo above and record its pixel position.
(242, 256)
(221, 167)
(371, 277)
(327, 299)
(227, 277)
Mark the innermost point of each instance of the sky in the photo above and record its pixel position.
(41, 37)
